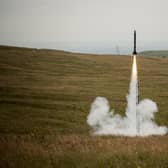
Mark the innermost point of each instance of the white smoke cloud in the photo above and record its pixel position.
(105, 122)
(139, 115)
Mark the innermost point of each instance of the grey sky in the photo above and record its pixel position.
(84, 25)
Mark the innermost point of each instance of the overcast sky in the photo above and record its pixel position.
(97, 26)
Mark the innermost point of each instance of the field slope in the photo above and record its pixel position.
(155, 53)
(45, 97)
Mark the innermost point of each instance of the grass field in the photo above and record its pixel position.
(155, 53)
(45, 97)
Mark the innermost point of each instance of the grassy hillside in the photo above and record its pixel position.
(45, 97)
(159, 53)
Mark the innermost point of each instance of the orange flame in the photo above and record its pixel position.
(134, 67)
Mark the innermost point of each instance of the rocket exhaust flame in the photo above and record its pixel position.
(139, 119)
(134, 67)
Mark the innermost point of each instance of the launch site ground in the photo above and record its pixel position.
(45, 97)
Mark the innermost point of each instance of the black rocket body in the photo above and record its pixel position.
(134, 52)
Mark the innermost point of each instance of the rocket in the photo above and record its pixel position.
(137, 90)
(134, 52)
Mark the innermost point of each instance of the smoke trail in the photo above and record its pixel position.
(132, 98)
(138, 120)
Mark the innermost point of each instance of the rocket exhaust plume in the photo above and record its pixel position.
(139, 117)
(133, 97)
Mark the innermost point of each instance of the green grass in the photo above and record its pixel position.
(45, 97)
(155, 53)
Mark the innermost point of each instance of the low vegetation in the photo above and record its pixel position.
(155, 53)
